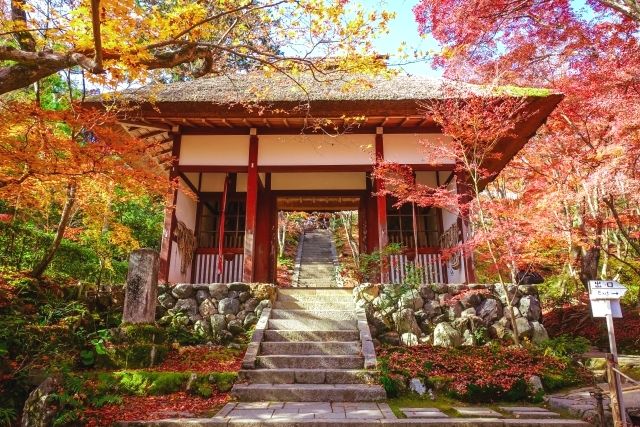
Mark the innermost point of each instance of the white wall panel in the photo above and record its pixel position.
(410, 148)
(319, 181)
(185, 212)
(219, 150)
(351, 149)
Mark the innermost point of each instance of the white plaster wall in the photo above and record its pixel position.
(449, 218)
(185, 212)
(427, 178)
(410, 148)
(351, 149)
(220, 150)
(212, 182)
(319, 181)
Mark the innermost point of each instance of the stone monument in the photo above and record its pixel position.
(142, 287)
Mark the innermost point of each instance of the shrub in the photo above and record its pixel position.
(565, 346)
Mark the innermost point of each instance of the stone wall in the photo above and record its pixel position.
(449, 315)
(218, 310)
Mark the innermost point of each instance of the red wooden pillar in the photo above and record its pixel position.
(463, 187)
(170, 211)
(252, 208)
(381, 202)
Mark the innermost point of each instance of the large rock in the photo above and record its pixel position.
(408, 339)
(166, 301)
(208, 308)
(228, 306)
(188, 306)
(141, 291)
(470, 299)
(530, 307)
(524, 328)
(514, 294)
(405, 321)
(251, 304)
(538, 333)
(218, 291)
(499, 331)
(41, 406)
(489, 310)
(380, 322)
(238, 287)
(261, 306)
(264, 291)
(218, 326)
(250, 320)
(235, 327)
(431, 309)
(445, 335)
(183, 290)
(201, 295)
(454, 311)
(426, 292)
(410, 299)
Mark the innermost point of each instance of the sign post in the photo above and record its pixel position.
(605, 302)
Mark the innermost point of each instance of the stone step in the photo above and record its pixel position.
(314, 305)
(320, 292)
(308, 376)
(312, 324)
(313, 314)
(310, 362)
(308, 392)
(284, 335)
(312, 347)
(314, 298)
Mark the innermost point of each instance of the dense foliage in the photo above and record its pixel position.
(478, 374)
(576, 183)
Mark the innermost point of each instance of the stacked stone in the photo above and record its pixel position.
(449, 315)
(220, 311)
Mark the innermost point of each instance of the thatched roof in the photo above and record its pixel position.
(258, 87)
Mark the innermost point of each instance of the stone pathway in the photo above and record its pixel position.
(312, 346)
(579, 403)
(315, 263)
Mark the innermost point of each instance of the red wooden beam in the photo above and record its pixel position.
(251, 209)
(169, 216)
(381, 201)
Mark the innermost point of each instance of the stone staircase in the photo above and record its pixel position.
(315, 260)
(313, 346)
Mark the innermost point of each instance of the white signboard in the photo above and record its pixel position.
(606, 289)
(606, 307)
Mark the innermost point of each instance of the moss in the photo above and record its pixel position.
(415, 401)
(140, 333)
(133, 356)
(522, 91)
(168, 382)
(223, 380)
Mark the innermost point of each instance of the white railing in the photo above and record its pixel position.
(429, 268)
(207, 269)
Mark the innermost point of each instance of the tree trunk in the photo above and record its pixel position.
(62, 225)
(589, 260)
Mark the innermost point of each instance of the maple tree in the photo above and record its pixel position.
(76, 159)
(115, 41)
(502, 226)
(583, 165)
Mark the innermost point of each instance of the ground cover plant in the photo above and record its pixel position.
(478, 374)
(576, 320)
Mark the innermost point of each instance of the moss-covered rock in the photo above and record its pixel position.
(132, 356)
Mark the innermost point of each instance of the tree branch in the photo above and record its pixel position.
(629, 8)
(612, 207)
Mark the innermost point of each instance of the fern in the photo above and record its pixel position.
(7, 416)
(106, 399)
